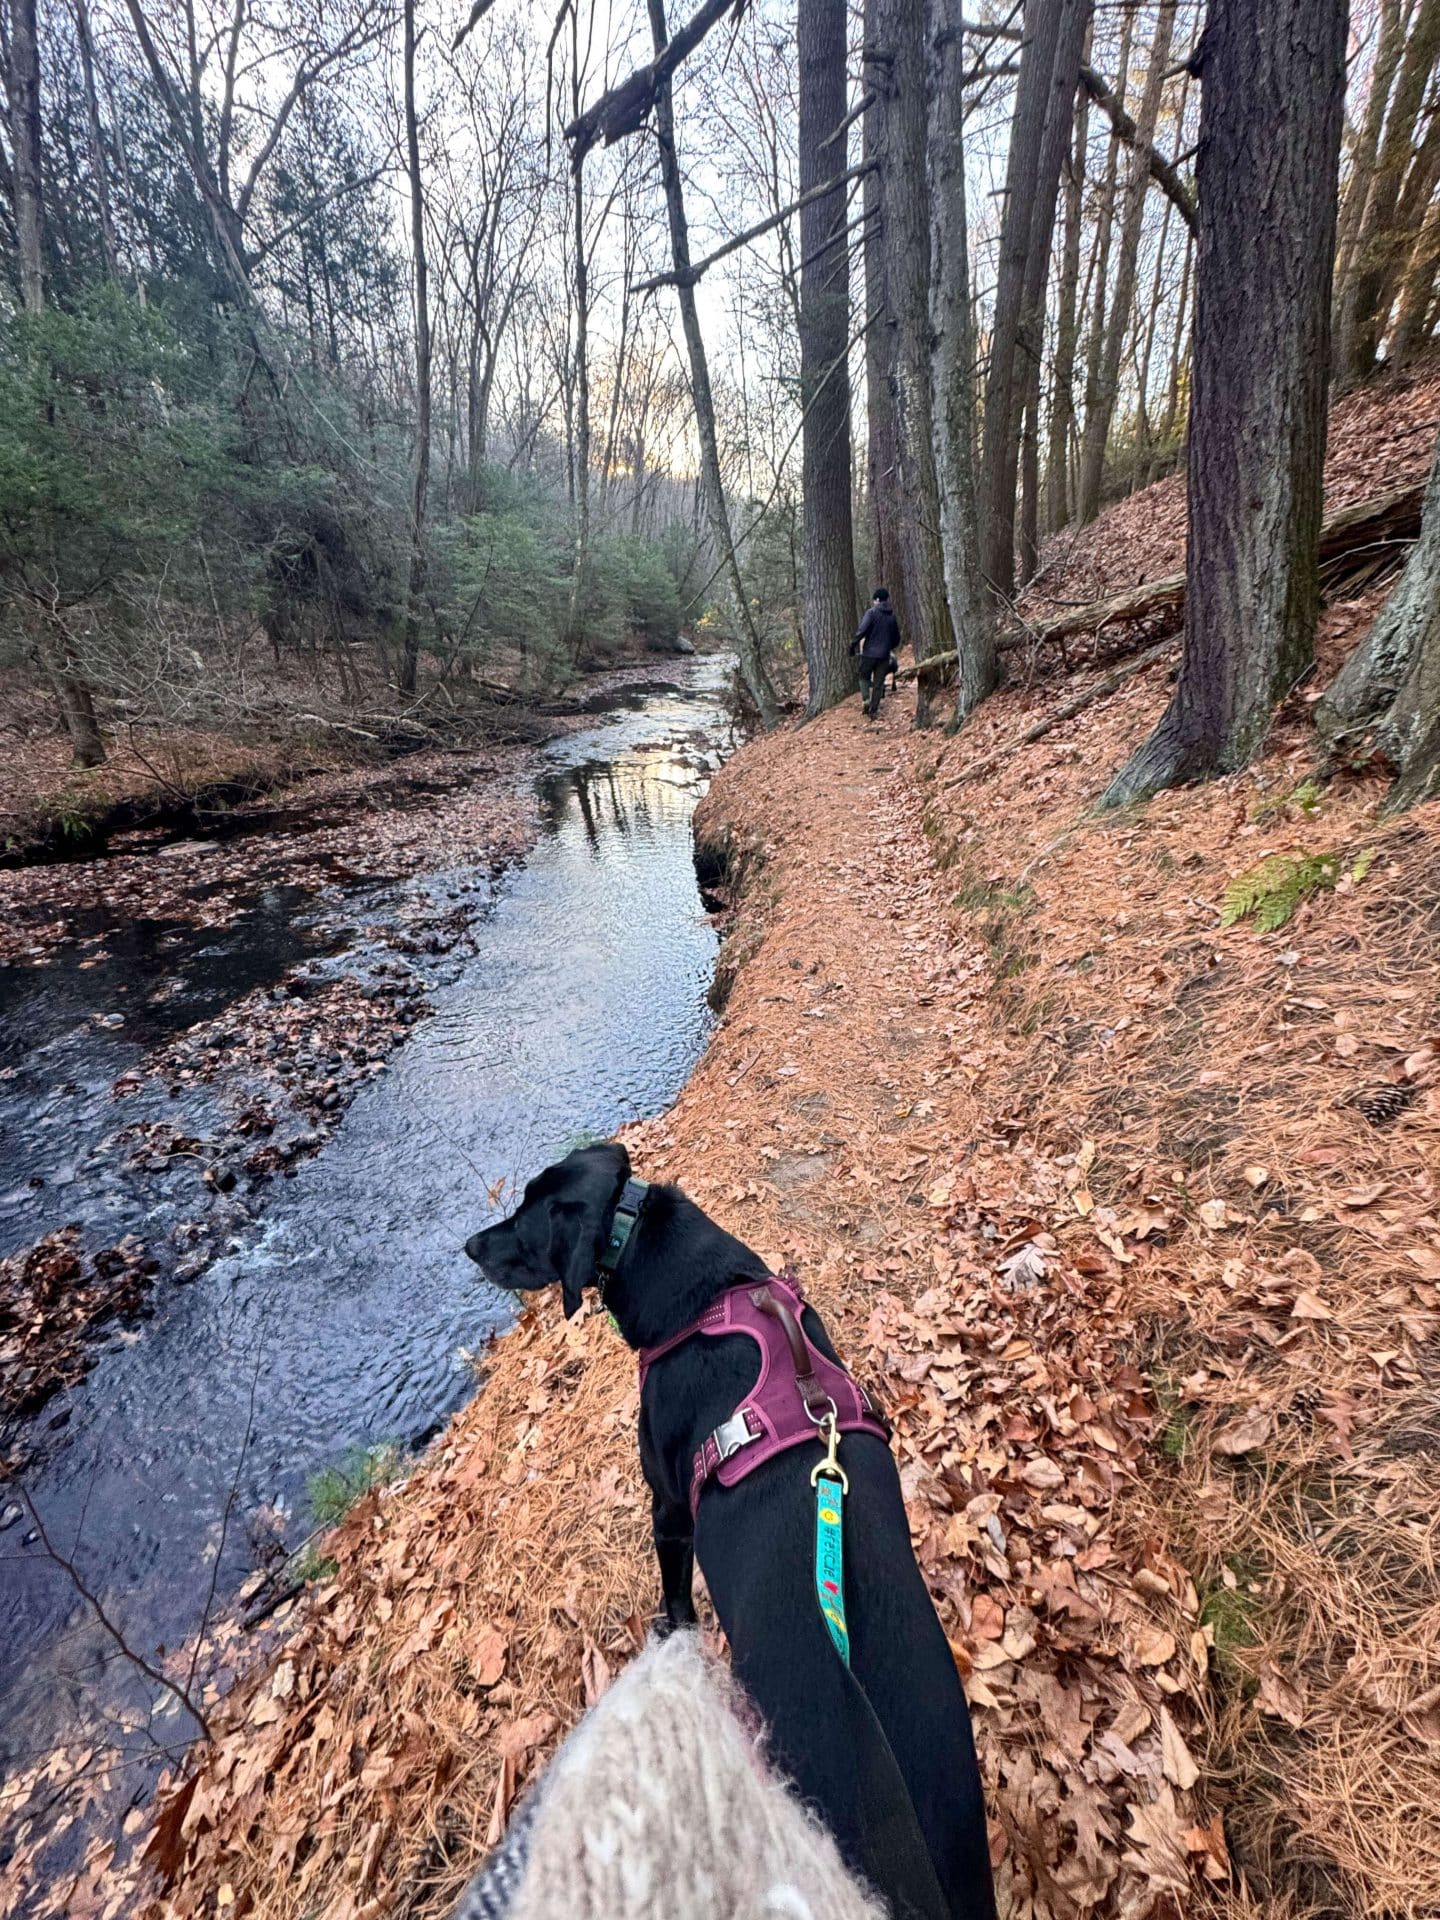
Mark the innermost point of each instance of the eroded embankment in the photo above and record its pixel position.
(1081, 1175)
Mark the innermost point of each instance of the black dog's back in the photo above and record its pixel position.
(905, 1808)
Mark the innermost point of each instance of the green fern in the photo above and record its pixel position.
(1271, 892)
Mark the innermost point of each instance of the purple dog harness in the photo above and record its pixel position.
(799, 1397)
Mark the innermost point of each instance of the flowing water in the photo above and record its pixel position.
(343, 1316)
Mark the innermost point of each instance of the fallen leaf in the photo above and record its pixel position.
(1365, 1196)
(594, 1673)
(1280, 1696)
(1153, 1646)
(1257, 1176)
(1176, 1760)
(1243, 1434)
(1213, 1214)
(1042, 1473)
(1309, 1306)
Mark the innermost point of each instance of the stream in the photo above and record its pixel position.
(343, 1313)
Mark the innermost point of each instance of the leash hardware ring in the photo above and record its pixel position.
(830, 1467)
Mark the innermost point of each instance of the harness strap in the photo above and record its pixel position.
(817, 1401)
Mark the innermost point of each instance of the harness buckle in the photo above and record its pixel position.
(732, 1434)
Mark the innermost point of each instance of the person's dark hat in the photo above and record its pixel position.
(882, 593)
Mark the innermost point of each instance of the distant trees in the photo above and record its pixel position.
(1258, 419)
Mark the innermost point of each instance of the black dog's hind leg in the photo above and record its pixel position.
(675, 1550)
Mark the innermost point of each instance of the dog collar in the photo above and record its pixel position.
(622, 1224)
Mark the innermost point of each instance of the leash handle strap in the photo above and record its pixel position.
(830, 1560)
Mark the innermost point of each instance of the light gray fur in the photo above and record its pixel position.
(658, 1806)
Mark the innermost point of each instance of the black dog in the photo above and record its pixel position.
(883, 1749)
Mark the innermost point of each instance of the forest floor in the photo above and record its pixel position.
(1134, 1215)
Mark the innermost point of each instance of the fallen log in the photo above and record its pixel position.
(1346, 537)
(1067, 710)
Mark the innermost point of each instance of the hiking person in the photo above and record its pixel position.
(877, 638)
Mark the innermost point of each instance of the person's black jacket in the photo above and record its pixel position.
(878, 632)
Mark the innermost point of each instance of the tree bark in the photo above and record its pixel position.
(97, 140)
(22, 88)
(1098, 418)
(1382, 232)
(829, 542)
(1273, 82)
(1387, 694)
(897, 76)
(747, 640)
(952, 362)
(1029, 207)
(1067, 330)
(410, 658)
(1363, 157)
(882, 476)
(1104, 233)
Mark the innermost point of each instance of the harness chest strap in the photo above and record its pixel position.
(797, 1391)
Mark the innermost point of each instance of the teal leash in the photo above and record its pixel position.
(831, 1486)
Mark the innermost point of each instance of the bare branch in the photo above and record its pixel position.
(687, 276)
(624, 108)
(1162, 172)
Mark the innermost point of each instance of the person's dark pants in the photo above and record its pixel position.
(872, 683)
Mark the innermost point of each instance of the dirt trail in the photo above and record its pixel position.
(1081, 1175)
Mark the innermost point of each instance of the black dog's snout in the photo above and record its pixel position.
(474, 1247)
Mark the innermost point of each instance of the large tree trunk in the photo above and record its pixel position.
(22, 90)
(1363, 158)
(1029, 214)
(1387, 694)
(1100, 275)
(882, 477)
(952, 362)
(1273, 93)
(1101, 413)
(747, 641)
(1067, 330)
(829, 543)
(410, 657)
(1383, 239)
(897, 76)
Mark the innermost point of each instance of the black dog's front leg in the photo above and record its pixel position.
(675, 1550)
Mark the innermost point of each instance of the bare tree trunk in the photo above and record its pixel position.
(22, 88)
(1386, 697)
(1100, 413)
(1390, 38)
(411, 656)
(747, 640)
(1262, 340)
(952, 362)
(897, 63)
(97, 140)
(882, 476)
(1382, 232)
(1178, 357)
(1418, 291)
(1104, 234)
(581, 564)
(1067, 330)
(829, 542)
(1026, 206)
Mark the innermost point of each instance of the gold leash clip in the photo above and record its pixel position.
(830, 1466)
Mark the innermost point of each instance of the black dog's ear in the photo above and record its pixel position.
(557, 1232)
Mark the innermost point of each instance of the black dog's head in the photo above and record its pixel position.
(558, 1230)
